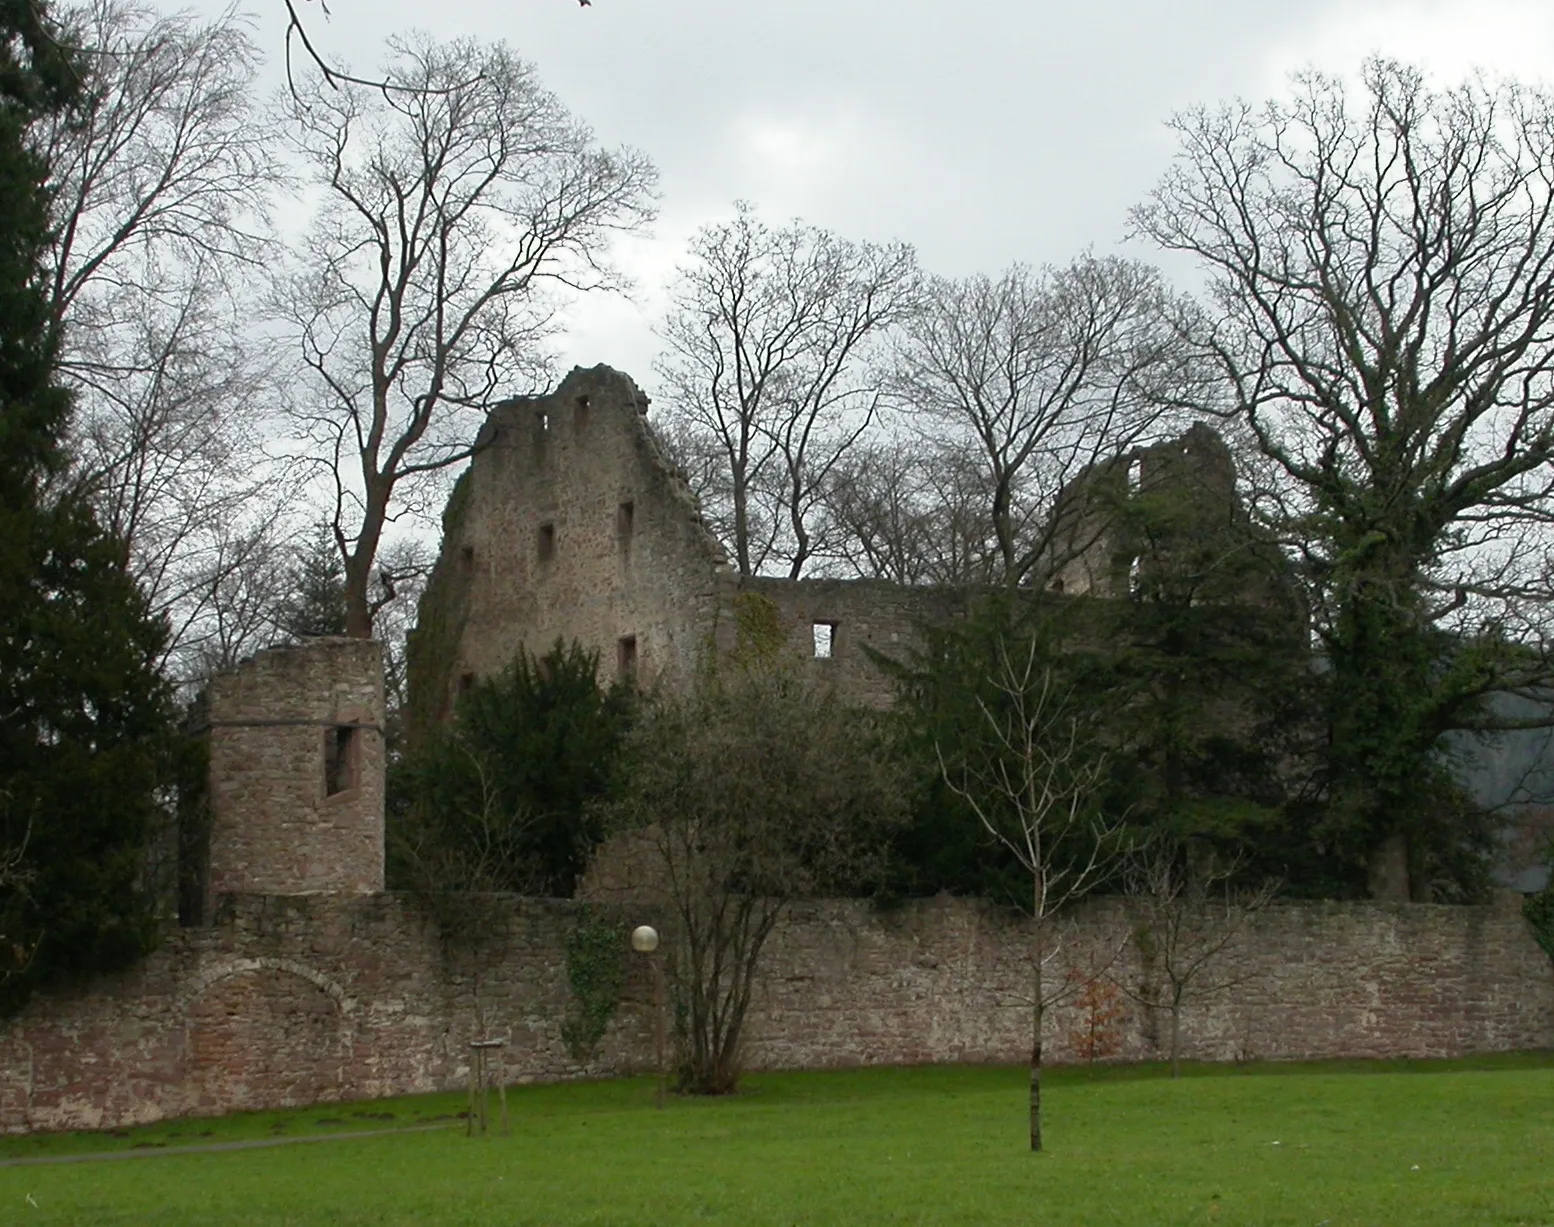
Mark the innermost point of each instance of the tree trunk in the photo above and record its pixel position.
(358, 611)
(359, 561)
(741, 520)
(1387, 872)
(1176, 1039)
(1037, 1019)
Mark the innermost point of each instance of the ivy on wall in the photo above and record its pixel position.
(1539, 910)
(596, 973)
(432, 647)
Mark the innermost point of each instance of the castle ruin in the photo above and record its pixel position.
(295, 978)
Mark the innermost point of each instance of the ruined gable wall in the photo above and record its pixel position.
(315, 998)
(542, 547)
(535, 549)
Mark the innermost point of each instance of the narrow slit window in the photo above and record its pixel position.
(542, 420)
(825, 640)
(625, 520)
(467, 558)
(626, 657)
(547, 542)
(580, 414)
(340, 759)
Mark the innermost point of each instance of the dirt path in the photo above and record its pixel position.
(210, 1148)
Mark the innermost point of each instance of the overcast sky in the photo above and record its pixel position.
(982, 134)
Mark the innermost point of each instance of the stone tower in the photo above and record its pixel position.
(296, 773)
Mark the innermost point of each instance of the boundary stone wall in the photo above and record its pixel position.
(290, 1000)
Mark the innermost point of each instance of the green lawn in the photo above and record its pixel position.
(1456, 1143)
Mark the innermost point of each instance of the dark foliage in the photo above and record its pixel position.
(87, 745)
(501, 800)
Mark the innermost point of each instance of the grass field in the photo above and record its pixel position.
(1452, 1143)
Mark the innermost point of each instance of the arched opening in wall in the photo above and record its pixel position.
(266, 1038)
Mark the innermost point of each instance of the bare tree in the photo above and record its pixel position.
(449, 209)
(161, 175)
(1032, 771)
(769, 337)
(1043, 375)
(1188, 912)
(1383, 264)
(912, 512)
(754, 790)
(234, 595)
(166, 157)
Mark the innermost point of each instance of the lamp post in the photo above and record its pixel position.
(644, 940)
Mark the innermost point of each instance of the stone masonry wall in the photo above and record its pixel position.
(291, 1000)
(296, 772)
(573, 523)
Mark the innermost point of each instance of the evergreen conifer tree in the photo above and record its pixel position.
(87, 739)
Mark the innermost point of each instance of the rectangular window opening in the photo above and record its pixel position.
(547, 542)
(825, 640)
(625, 518)
(467, 558)
(466, 682)
(580, 414)
(626, 657)
(542, 419)
(340, 759)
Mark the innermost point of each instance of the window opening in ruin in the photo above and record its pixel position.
(543, 419)
(825, 639)
(626, 657)
(340, 759)
(467, 558)
(1134, 567)
(625, 516)
(1057, 585)
(580, 414)
(1135, 475)
(466, 682)
(547, 542)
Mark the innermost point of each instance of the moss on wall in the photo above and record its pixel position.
(432, 648)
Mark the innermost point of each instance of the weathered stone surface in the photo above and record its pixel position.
(296, 999)
(572, 523)
(281, 821)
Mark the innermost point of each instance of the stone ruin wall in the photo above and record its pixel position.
(538, 546)
(295, 796)
(571, 524)
(304, 983)
(303, 999)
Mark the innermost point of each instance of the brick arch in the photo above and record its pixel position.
(207, 976)
(263, 1033)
